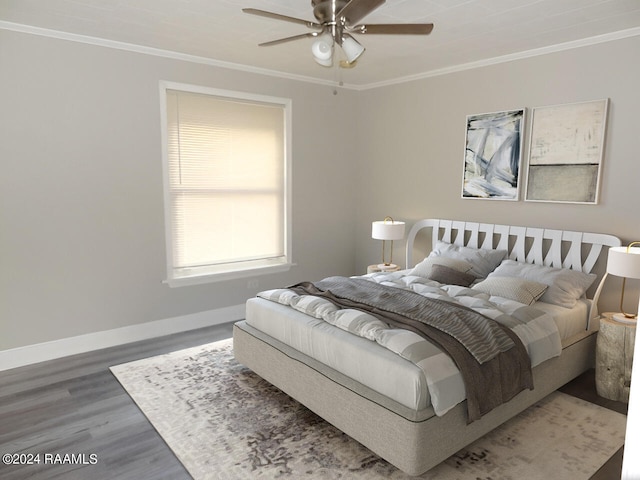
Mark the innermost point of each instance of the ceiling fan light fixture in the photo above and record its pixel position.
(322, 50)
(334, 20)
(352, 49)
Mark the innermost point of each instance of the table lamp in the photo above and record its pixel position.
(624, 262)
(384, 230)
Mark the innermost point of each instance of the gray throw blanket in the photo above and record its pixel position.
(491, 358)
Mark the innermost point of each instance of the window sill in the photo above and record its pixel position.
(212, 277)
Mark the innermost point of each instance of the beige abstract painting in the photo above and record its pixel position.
(566, 152)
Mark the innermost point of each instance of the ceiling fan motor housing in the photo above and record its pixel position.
(325, 10)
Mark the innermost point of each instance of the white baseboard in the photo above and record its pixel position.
(41, 352)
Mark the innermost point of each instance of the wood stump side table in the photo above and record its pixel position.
(614, 358)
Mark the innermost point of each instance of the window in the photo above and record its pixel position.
(226, 167)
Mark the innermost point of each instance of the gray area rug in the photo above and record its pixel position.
(224, 422)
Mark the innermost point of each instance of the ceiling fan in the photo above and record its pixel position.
(336, 21)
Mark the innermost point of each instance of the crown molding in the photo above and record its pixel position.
(130, 47)
(560, 47)
(72, 37)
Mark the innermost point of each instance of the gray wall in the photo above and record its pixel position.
(82, 239)
(412, 160)
(81, 204)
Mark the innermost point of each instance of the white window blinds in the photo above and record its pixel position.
(226, 182)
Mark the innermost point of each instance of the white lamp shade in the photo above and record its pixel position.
(322, 50)
(624, 263)
(387, 230)
(352, 49)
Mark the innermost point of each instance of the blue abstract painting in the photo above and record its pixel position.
(493, 155)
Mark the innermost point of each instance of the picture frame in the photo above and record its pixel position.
(493, 155)
(566, 149)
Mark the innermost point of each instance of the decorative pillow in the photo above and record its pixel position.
(451, 276)
(484, 261)
(424, 268)
(565, 286)
(518, 289)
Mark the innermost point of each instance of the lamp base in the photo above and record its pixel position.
(620, 318)
(387, 267)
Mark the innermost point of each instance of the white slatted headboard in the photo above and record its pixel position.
(541, 246)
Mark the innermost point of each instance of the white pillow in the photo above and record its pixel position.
(565, 286)
(518, 289)
(484, 261)
(425, 267)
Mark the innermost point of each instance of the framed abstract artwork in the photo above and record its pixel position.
(566, 151)
(493, 155)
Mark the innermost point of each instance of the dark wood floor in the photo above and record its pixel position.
(76, 406)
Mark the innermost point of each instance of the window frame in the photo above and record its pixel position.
(201, 275)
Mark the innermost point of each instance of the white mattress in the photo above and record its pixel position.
(365, 361)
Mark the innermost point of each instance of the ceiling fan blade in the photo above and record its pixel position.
(394, 29)
(277, 16)
(289, 39)
(356, 10)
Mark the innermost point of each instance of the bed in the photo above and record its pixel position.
(395, 391)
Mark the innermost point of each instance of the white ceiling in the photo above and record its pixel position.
(466, 31)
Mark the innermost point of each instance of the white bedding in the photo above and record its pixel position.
(398, 363)
(570, 321)
(363, 360)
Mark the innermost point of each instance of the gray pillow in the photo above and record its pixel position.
(451, 276)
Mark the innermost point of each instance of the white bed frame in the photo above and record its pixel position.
(418, 446)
